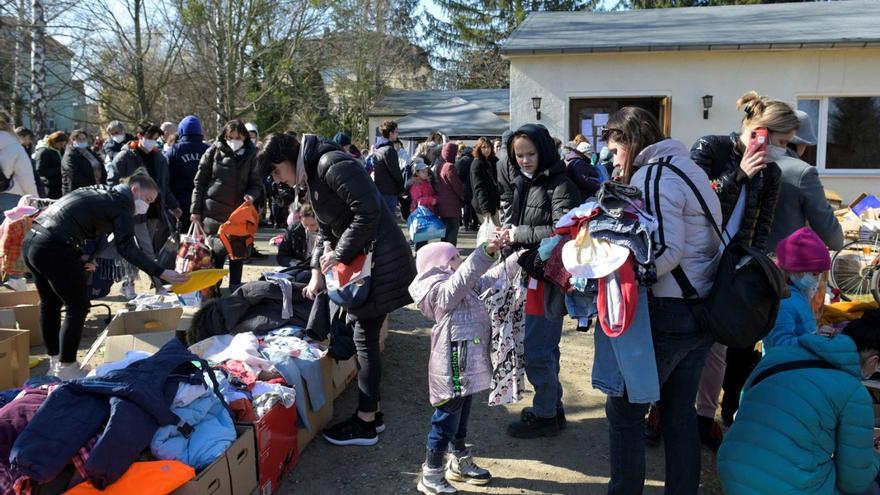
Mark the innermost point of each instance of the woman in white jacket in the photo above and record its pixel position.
(683, 238)
(15, 165)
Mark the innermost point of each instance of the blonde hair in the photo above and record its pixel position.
(579, 139)
(6, 123)
(763, 111)
(56, 137)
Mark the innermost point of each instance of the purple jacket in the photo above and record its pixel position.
(462, 336)
(14, 417)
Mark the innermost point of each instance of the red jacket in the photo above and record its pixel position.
(450, 192)
(422, 194)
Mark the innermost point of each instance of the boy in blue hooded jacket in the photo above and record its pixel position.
(808, 428)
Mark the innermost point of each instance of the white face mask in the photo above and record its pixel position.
(149, 144)
(141, 207)
(775, 152)
(119, 138)
(235, 144)
(808, 284)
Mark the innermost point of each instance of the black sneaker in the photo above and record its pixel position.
(257, 255)
(380, 422)
(534, 427)
(528, 415)
(353, 431)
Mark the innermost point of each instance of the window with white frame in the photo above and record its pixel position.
(847, 131)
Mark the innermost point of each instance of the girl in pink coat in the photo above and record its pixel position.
(420, 189)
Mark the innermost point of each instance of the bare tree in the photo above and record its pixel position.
(38, 68)
(18, 69)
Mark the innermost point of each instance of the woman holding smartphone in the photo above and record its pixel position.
(747, 180)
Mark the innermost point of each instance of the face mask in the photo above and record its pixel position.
(527, 174)
(149, 144)
(808, 284)
(235, 144)
(141, 207)
(119, 138)
(82, 145)
(775, 152)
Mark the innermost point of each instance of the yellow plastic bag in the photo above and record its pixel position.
(200, 279)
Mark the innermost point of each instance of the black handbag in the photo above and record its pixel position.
(167, 255)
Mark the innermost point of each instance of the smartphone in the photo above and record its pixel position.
(758, 140)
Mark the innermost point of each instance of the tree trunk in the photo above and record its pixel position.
(220, 66)
(38, 68)
(144, 105)
(18, 70)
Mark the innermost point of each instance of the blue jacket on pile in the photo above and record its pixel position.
(134, 402)
(183, 160)
(795, 318)
(213, 432)
(801, 431)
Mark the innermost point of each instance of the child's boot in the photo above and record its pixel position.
(433, 481)
(461, 467)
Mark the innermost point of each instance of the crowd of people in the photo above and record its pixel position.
(674, 209)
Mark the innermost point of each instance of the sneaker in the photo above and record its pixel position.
(433, 481)
(257, 255)
(71, 371)
(17, 284)
(534, 427)
(653, 433)
(53, 366)
(711, 434)
(560, 417)
(353, 431)
(380, 422)
(128, 291)
(462, 468)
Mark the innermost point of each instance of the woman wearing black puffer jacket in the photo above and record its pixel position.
(351, 215)
(227, 177)
(542, 194)
(747, 183)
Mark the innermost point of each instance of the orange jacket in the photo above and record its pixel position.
(237, 234)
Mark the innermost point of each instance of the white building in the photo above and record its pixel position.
(823, 58)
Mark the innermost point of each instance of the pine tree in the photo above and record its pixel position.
(470, 36)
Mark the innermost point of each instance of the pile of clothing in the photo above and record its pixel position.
(256, 373)
(164, 406)
(602, 258)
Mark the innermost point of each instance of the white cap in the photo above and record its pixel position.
(251, 127)
(585, 148)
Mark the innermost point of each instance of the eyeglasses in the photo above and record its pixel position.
(608, 132)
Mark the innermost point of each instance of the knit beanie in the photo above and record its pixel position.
(435, 254)
(803, 251)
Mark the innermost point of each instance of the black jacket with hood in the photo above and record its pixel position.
(351, 214)
(719, 157)
(223, 179)
(483, 180)
(538, 203)
(386, 169)
(77, 171)
(130, 160)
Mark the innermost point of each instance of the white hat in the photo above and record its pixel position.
(251, 127)
(587, 257)
(585, 148)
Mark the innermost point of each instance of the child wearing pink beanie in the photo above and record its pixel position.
(805, 259)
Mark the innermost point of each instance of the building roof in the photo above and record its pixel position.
(455, 118)
(841, 24)
(407, 102)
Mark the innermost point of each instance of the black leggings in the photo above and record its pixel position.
(61, 280)
(740, 364)
(366, 340)
(235, 267)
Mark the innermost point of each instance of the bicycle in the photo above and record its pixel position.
(855, 269)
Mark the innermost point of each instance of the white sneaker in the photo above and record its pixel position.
(53, 366)
(128, 291)
(461, 467)
(71, 371)
(433, 482)
(16, 284)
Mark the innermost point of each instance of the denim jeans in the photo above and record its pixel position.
(449, 423)
(681, 349)
(393, 204)
(541, 346)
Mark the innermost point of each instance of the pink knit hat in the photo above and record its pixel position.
(803, 251)
(435, 254)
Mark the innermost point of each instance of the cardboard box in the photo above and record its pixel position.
(318, 420)
(151, 320)
(277, 447)
(343, 373)
(14, 358)
(118, 345)
(26, 305)
(233, 473)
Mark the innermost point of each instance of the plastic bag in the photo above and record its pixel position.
(486, 232)
(424, 225)
(194, 254)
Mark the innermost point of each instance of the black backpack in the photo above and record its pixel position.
(741, 308)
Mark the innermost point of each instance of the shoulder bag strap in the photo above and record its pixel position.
(790, 366)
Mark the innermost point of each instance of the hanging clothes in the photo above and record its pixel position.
(505, 306)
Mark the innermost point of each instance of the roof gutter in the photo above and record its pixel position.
(682, 48)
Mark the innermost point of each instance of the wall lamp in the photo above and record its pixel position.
(707, 104)
(536, 104)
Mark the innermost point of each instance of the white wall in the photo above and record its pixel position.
(686, 77)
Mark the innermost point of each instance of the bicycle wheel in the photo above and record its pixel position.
(853, 269)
